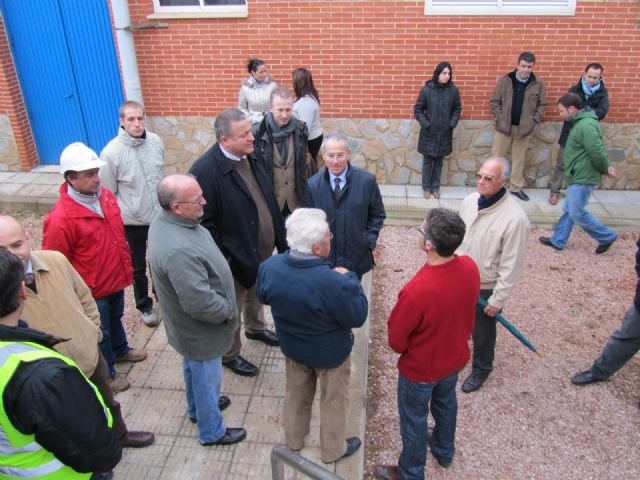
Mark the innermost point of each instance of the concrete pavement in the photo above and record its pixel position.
(38, 191)
(156, 400)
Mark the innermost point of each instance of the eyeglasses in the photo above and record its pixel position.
(197, 201)
(339, 156)
(486, 178)
(426, 237)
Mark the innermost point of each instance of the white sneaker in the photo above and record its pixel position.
(150, 318)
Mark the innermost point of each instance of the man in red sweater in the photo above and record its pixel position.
(430, 327)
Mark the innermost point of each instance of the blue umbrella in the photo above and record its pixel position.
(511, 327)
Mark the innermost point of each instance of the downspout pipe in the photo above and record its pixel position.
(127, 49)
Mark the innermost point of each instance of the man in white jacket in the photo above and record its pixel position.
(496, 239)
(134, 167)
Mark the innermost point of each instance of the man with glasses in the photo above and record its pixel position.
(243, 217)
(496, 238)
(430, 327)
(195, 290)
(351, 199)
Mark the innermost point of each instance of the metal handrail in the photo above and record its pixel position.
(282, 455)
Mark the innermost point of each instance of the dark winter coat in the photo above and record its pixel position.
(355, 219)
(437, 110)
(314, 308)
(263, 152)
(598, 102)
(55, 402)
(231, 216)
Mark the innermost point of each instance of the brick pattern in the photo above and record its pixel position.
(370, 58)
(12, 104)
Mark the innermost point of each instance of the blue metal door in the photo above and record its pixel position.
(68, 71)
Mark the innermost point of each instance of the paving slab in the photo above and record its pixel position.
(156, 402)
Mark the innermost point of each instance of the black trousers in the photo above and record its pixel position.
(137, 240)
(484, 340)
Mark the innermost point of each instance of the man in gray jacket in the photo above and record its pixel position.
(134, 167)
(195, 289)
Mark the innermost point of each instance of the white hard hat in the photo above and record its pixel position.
(78, 157)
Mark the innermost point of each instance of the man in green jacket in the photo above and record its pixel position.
(585, 160)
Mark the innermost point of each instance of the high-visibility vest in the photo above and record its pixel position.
(21, 456)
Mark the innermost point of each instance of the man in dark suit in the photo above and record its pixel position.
(351, 199)
(243, 218)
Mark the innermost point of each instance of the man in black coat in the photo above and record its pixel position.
(351, 199)
(594, 94)
(281, 146)
(46, 403)
(243, 218)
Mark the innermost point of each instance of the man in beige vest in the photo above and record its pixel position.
(281, 145)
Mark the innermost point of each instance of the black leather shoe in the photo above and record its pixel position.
(547, 241)
(585, 378)
(231, 436)
(137, 439)
(472, 383)
(265, 336)
(604, 247)
(386, 472)
(353, 444)
(241, 366)
(223, 403)
(442, 463)
(521, 195)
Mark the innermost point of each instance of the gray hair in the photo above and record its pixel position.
(506, 167)
(305, 228)
(169, 189)
(335, 137)
(222, 125)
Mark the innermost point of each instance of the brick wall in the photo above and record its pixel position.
(12, 105)
(370, 58)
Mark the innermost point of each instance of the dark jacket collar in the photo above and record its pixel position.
(22, 333)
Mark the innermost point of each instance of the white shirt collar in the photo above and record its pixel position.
(230, 156)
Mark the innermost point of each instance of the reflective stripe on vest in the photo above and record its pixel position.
(21, 457)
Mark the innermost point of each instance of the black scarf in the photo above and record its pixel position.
(486, 202)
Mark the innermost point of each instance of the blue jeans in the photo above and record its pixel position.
(202, 380)
(574, 210)
(414, 401)
(114, 339)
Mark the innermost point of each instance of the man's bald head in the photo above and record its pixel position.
(13, 238)
(181, 195)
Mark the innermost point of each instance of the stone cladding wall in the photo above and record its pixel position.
(387, 148)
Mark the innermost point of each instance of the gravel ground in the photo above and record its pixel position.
(528, 420)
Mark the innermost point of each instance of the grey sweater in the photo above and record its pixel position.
(194, 287)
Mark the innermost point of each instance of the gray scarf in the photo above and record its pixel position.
(280, 135)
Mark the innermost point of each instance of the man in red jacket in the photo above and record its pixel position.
(86, 226)
(430, 327)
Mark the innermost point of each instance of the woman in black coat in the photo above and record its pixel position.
(438, 111)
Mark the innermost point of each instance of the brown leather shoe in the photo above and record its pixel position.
(133, 355)
(137, 439)
(386, 472)
(119, 384)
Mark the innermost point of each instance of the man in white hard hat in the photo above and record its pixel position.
(86, 226)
